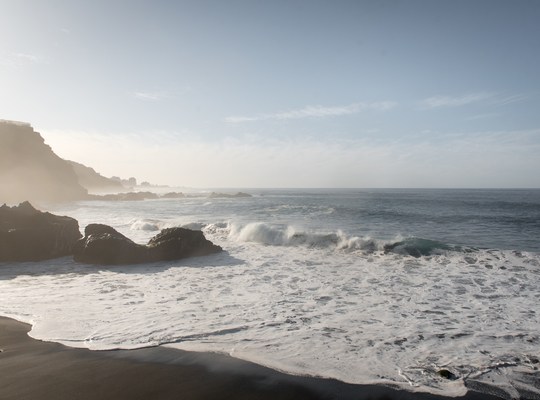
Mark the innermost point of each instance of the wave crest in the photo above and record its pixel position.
(289, 236)
(286, 235)
(145, 225)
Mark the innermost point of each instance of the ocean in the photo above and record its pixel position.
(389, 287)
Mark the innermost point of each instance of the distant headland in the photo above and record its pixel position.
(31, 171)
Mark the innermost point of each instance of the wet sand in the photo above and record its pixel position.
(31, 369)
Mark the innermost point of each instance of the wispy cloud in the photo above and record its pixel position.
(31, 58)
(504, 100)
(316, 112)
(456, 101)
(482, 116)
(21, 59)
(150, 96)
(488, 98)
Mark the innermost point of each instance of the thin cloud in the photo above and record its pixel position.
(482, 116)
(236, 120)
(31, 58)
(150, 96)
(459, 101)
(487, 98)
(21, 59)
(316, 112)
(504, 100)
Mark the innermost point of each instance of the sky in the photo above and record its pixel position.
(281, 93)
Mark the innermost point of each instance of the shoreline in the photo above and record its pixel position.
(32, 369)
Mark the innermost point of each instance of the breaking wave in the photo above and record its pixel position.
(286, 235)
(289, 236)
(146, 225)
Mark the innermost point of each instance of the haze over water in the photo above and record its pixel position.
(281, 93)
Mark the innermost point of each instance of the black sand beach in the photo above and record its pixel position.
(31, 369)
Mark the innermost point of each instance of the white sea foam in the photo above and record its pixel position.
(263, 233)
(356, 318)
(146, 225)
(305, 301)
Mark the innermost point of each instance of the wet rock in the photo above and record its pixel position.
(173, 195)
(176, 243)
(215, 195)
(444, 373)
(27, 234)
(102, 244)
(129, 196)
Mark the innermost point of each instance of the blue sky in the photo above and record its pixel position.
(281, 93)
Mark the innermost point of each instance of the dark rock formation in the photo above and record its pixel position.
(447, 374)
(173, 195)
(176, 243)
(27, 234)
(130, 196)
(29, 169)
(136, 196)
(91, 180)
(104, 245)
(215, 195)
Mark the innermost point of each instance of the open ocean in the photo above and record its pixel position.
(365, 286)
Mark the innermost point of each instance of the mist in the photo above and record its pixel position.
(484, 159)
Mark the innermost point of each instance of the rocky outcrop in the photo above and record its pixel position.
(27, 234)
(215, 195)
(30, 170)
(104, 245)
(129, 196)
(177, 243)
(93, 181)
(173, 195)
(136, 196)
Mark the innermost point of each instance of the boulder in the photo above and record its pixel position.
(27, 234)
(104, 245)
(176, 243)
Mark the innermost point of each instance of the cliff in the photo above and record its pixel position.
(30, 170)
(93, 181)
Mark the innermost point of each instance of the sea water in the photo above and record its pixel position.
(365, 286)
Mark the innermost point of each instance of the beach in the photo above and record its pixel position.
(32, 369)
(349, 294)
